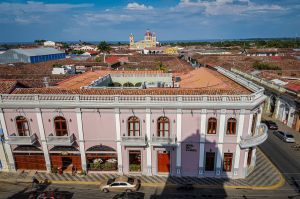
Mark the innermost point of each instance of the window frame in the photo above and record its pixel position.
(132, 132)
(23, 122)
(60, 131)
(231, 126)
(212, 126)
(227, 162)
(209, 154)
(162, 132)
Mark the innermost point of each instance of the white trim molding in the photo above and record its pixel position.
(7, 148)
(221, 133)
(43, 139)
(178, 150)
(118, 136)
(202, 122)
(149, 148)
(237, 148)
(81, 139)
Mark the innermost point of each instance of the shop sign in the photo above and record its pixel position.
(190, 147)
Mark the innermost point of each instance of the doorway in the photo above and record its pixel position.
(163, 161)
(67, 163)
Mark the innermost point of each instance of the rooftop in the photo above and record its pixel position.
(37, 51)
(7, 86)
(196, 82)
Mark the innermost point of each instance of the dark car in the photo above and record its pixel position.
(270, 124)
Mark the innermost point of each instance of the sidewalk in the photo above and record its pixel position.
(264, 176)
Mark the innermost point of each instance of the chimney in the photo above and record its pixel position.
(46, 81)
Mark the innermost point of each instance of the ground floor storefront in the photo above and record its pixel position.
(30, 161)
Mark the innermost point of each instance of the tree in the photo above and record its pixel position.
(162, 67)
(104, 47)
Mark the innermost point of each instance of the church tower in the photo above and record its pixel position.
(131, 40)
(153, 39)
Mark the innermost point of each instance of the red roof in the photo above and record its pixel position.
(293, 87)
(114, 59)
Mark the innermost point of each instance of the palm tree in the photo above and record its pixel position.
(104, 47)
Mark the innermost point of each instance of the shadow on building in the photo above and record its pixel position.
(189, 181)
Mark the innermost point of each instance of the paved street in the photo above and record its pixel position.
(284, 157)
(20, 191)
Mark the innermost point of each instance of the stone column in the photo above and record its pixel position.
(118, 136)
(7, 149)
(178, 151)
(3, 157)
(277, 109)
(43, 139)
(203, 122)
(81, 139)
(221, 132)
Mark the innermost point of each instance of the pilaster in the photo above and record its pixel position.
(118, 136)
(81, 139)
(43, 139)
(221, 132)
(7, 149)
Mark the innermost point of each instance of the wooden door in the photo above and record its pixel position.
(30, 161)
(163, 159)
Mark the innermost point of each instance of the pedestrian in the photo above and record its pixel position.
(34, 181)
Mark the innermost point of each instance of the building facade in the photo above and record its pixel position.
(148, 42)
(178, 133)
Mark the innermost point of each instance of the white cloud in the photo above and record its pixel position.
(34, 6)
(228, 7)
(136, 6)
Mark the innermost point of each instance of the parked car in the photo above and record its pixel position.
(122, 183)
(285, 136)
(270, 124)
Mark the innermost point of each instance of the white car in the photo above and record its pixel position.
(285, 136)
(122, 183)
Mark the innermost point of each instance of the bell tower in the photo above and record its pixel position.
(131, 40)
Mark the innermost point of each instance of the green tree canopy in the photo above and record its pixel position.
(104, 47)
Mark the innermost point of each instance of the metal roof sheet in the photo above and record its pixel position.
(37, 51)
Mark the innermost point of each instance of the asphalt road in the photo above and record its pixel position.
(285, 158)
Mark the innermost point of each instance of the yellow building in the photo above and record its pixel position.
(171, 50)
(148, 42)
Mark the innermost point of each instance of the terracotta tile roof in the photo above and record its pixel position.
(156, 91)
(114, 59)
(7, 86)
(86, 78)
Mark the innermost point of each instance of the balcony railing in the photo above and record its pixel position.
(260, 136)
(163, 141)
(60, 140)
(22, 140)
(133, 140)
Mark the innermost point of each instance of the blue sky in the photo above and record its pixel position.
(114, 20)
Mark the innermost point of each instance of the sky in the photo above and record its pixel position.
(114, 20)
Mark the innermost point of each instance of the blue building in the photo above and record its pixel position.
(32, 55)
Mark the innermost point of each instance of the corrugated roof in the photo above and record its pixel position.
(37, 51)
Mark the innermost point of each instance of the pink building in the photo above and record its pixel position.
(202, 123)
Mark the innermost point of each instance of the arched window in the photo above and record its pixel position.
(60, 124)
(163, 127)
(231, 126)
(133, 126)
(22, 126)
(212, 126)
